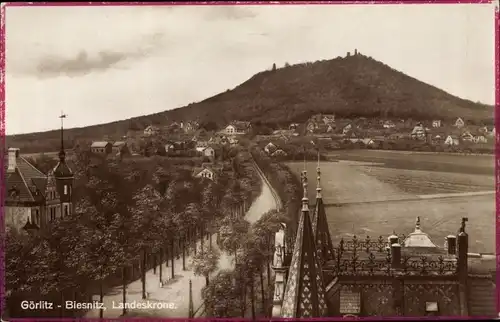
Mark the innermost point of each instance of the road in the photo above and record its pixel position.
(175, 293)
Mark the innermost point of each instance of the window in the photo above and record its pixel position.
(66, 210)
(65, 189)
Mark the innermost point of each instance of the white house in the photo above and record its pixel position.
(328, 119)
(151, 130)
(451, 140)
(209, 152)
(329, 129)
(346, 129)
(418, 132)
(436, 123)
(270, 148)
(201, 145)
(459, 123)
(480, 139)
(467, 136)
(205, 173)
(368, 142)
(278, 152)
(389, 125)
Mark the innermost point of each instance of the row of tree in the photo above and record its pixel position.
(129, 216)
(232, 292)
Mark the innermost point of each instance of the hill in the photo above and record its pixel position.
(352, 86)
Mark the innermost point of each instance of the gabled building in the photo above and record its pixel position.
(459, 123)
(34, 199)
(101, 147)
(270, 148)
(418, 132)
(452, 140)
(389, 125)
(279, 153)
(237, 128)
(151, 130)
(120, 148)
(467, 136)
(436, 123)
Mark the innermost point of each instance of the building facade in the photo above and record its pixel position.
(35, 199)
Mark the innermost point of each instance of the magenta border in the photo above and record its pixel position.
(3, 146)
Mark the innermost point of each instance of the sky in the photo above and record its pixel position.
(103, 64)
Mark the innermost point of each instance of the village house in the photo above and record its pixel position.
(368, 142)
(347, 129)
(151, 130)
(438, 139)
(328, 119)
(389, 125)
(480, 138)
(330, 128)
(436, 123)
(467, 137)
(270, 148)
(492, 132)
(237, 128)
(311, 126)
(293, 126)
(278, 153)
(209, 152)
(452, 140)
(191, 126)
(169, 147)
(232, 141)
(201, 145)
(418, 132)
(120, 148)
(459, 123)
(101, 147)
(483, 130)
(208, 171)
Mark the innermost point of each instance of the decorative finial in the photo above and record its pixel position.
(305, 203)
(417, 224)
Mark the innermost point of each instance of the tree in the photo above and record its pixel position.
(274, 67)
(43, 162)
(221, 296)
(205, 262)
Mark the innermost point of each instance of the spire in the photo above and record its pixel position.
(62, 170)
(318, 187)
(62, 153)
(304, 295)
(320, 227)
(417, 224)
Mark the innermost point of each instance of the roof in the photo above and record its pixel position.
(23, 179)
(304, 295)
(320, 228)
(99, 144)
(418, 238)
(119, 143)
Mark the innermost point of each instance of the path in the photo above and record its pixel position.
(174, 296)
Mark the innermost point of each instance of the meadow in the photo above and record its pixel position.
(377, 192)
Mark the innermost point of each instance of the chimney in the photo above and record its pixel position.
(451, 245)
(13, 155)
(395, 255)
(393, 239)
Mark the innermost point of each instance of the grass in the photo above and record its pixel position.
(375, 199)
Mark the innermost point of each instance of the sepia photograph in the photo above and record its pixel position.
(249, 160)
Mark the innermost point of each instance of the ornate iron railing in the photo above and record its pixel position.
(360, 257)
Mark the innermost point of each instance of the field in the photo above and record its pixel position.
(377, 192)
